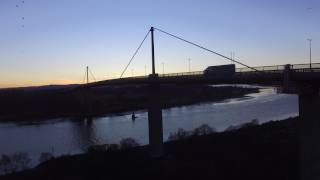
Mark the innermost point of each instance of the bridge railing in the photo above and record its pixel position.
(193, 73)
(274, 69)
(261, 68)
(296, 67)
(277, 69)
(315, 67)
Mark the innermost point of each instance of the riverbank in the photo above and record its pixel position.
(267, 151)
(30, 105)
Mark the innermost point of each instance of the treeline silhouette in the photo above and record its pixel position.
(21, 104)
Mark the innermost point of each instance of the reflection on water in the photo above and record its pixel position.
(65, 136)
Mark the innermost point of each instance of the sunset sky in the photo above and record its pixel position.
(52, 41)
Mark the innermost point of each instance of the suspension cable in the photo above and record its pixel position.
(177, 37)
(135, 54)
(92, 75)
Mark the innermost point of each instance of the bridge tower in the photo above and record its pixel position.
(154, 110)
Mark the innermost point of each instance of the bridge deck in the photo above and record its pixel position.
(264, 75)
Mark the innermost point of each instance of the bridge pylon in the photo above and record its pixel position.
(154, 109)
(155, 118)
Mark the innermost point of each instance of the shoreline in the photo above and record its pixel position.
(169, 101)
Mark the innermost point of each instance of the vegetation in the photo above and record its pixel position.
(45, 156)
(128, 143)
(254, 122)
(125, 143)
(14, 163)
(183, 134)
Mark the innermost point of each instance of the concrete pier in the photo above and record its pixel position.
(309, 112)
(155, 119)
(286, 78)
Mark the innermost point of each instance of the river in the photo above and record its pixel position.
(65, 136)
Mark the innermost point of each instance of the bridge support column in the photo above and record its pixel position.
(286, 78)
(309, 113)
(155, 119)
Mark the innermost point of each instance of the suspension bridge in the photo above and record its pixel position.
(301, 79)
(269, 75)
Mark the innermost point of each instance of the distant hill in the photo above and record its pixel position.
(42, 88)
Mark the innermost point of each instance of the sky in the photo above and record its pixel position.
(52, 41)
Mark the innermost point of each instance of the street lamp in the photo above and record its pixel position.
(232, 57)
(189, 64)
(310, 52)
(145, 70)
(162, 67)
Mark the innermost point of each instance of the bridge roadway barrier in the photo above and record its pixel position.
(265, 75)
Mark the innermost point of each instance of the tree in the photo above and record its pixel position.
(45, 156)
(203, 130)
(180, 134)
(128, 143)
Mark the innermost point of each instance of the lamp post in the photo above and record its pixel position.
(189, 67)
(87, 73)
(145, 70)
(310, 52)
(162, 67)
(232, 57)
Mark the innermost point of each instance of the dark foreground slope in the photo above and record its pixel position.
(268, 151)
